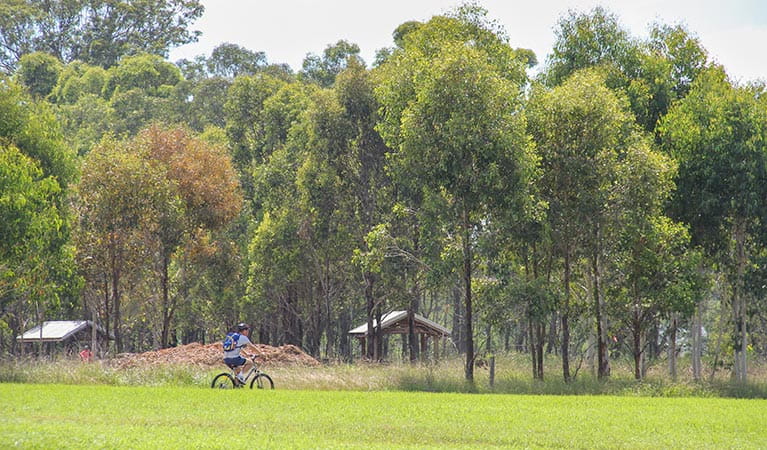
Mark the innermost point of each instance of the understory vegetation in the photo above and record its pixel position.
(511, 377)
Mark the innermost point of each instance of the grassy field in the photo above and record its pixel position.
(74, 416)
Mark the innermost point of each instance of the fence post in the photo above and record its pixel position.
(492, 371)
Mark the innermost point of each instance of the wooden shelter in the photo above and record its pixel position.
(396, 322)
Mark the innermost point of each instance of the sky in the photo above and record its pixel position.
(734, 32)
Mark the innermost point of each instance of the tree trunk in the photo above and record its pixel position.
(697, 343)
(167, 309)
(637, 346)
(379, 347)
(697, 336)
(739, 303)
(565, 321)
(369, 309)
(458, 319)
(533, 348)
(672, 347)
(116, 296)
(603, 364)
(411, 311)
(539, 348)
(94, 335)
(467, 268)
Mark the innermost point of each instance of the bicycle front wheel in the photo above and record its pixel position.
(223, 381)
(262, 381)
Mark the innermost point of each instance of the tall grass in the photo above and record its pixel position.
(513, 375)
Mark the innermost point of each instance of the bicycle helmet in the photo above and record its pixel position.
(242, 326)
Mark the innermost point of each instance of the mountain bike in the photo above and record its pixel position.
(229, 380)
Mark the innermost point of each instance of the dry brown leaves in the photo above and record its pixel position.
(212, 355)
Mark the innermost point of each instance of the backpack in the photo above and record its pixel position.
(230, 341)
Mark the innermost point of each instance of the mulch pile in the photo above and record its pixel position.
(212, 355)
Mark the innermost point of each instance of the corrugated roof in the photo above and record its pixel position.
(393, 317)
(56, 330)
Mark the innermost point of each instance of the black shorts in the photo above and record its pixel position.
(234, 362)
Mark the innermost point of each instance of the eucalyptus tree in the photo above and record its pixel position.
(38, 170)
(231, 60)
(581, 129)
(451, 100)
(116, 193)
(97, 32)
(655, 269)
(717, 134)
(591, 39)
(34, 249)
(651, 73)
(204, 196)
(243, 111)
(76, 80)
(362, 169)
(279, 271)
(324, 69)
(39, 72)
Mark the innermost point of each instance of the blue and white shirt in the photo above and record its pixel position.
(242, 341)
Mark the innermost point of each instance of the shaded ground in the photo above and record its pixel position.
(211, 355)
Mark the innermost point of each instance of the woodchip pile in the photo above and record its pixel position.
(211, 355)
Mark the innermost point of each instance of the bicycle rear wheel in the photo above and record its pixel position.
(223, 381)
(262, 381)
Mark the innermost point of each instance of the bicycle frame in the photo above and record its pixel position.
(254, 375)
(253, 371)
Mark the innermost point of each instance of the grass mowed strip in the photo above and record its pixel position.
(58, 416)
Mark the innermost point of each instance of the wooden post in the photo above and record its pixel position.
(492, 371)
(437, 342)
(363, 343)
(424, 337)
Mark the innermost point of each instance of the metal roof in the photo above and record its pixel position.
(394, 317)
(56, 330)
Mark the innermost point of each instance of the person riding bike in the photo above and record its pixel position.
(233, 357)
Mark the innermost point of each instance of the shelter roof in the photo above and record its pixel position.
(391, 322)
(57, 330)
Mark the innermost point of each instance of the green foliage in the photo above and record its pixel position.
(580, 129)
(36, 263)
(231, 60)
(586, 40)
(39, 72)
(323, 70)
(86, 121)
(150, 73)
(244, 109)
(97, 32)
(32, 128)
(717, 133)
(207, 106)
(77, 80)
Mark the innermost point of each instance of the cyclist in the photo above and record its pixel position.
(233, 358)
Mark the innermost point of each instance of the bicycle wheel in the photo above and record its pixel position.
(223, 381)
(262, 381)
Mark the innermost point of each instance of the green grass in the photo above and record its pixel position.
(61, 416)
